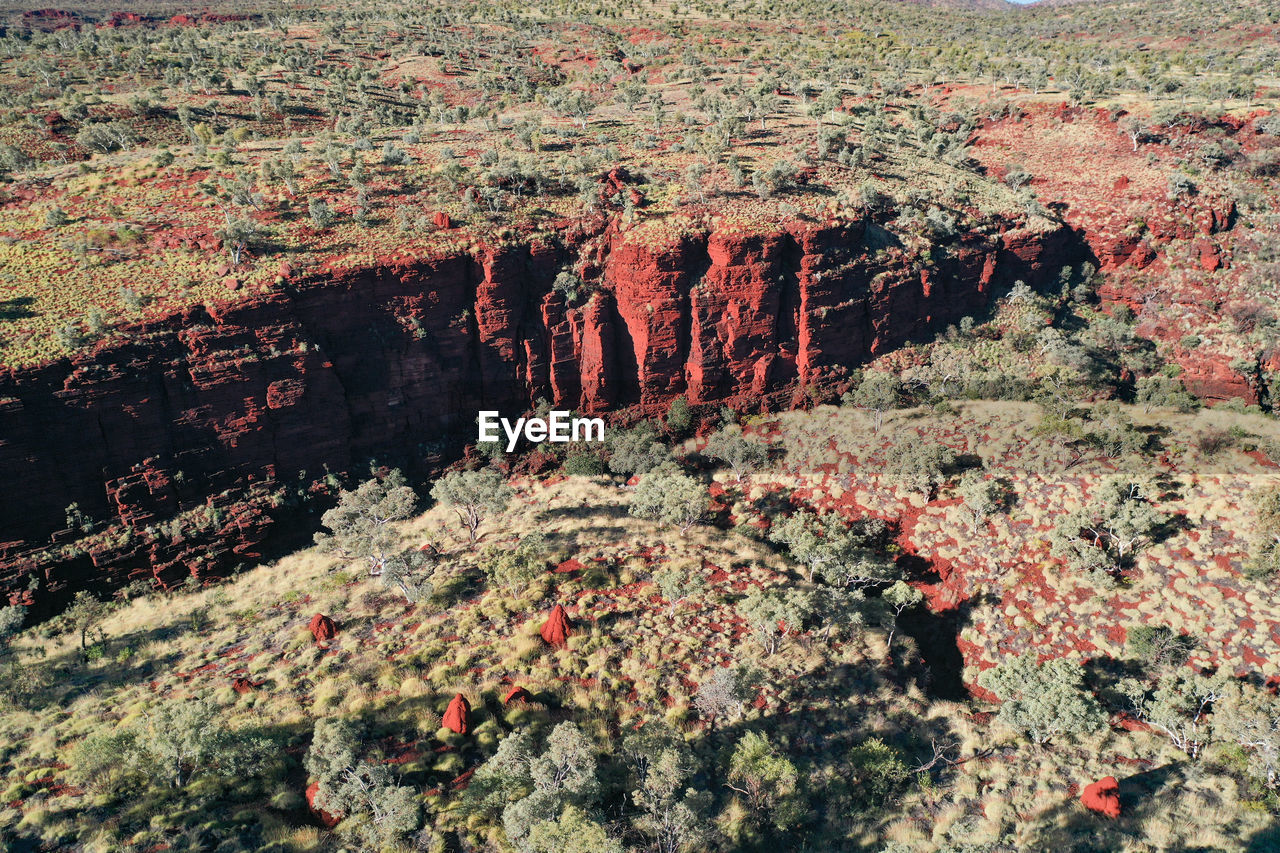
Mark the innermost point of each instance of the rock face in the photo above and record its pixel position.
(555, 631)
(322, 628)
(457, 717)
(185, 444)
(1103, 797)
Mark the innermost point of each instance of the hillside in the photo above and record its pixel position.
(935, 346)
(638, 656)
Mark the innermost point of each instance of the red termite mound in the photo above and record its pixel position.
(1103, 797)
(557, 627)
(517, 694)
(457, 717)
(329, 821)
(322, 628)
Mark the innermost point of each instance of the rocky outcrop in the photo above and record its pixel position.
(183, 446)
(556, 630)
(322, 628)
(457, 717)
(1102, 797)
(517, 694)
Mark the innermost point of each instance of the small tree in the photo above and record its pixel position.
(663, 769)
(767, 780)
(636, 450)
(1105, 534)
(473, 496)
(743, 455)
(1133, 128)
(1264, 556)
(679, 417)
(1043, 700)
(1250, 718)
(1158, 647)
(320, 212)
(1152, 391)
(876, 772)
(984, 497)
(719, 696)
(920, 465)
(897, 598)
(106, 136)
(85, 616)
(1178, 705)
(667, 496)
(376, 812)
(238, 235)
(574, 831)
(515, 568)
(678, 584)
(11, 619)
(537, 787)
(842, 553)
(877, 393)
(362, 529)
(772, 613)
(185, 738)
(175, 742)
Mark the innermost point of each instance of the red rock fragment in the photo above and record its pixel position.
(323, 628)
(329, 821)
(1103, 797)
(284, 393)
(555, 630)
(517, 694)
(1210, 257)
(442, 220)
(457, 717)
(242, 685)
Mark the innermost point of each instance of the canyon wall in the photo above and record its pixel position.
(183, 446)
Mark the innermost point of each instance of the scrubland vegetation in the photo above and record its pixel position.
(921, 612)
(743, 664)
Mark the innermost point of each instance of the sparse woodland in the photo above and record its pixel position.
(928, 607)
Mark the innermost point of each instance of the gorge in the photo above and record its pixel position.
(182, 446)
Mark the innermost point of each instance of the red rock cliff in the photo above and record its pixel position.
(183, 444)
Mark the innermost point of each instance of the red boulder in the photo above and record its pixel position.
(457, 717)
(242, 685)
(517, 694)
(442, 220)
(329, 821)
(1210, 257)
(1103, 797)
(322, 628)
(556, 629)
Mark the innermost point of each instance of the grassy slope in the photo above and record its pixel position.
(396, 666)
